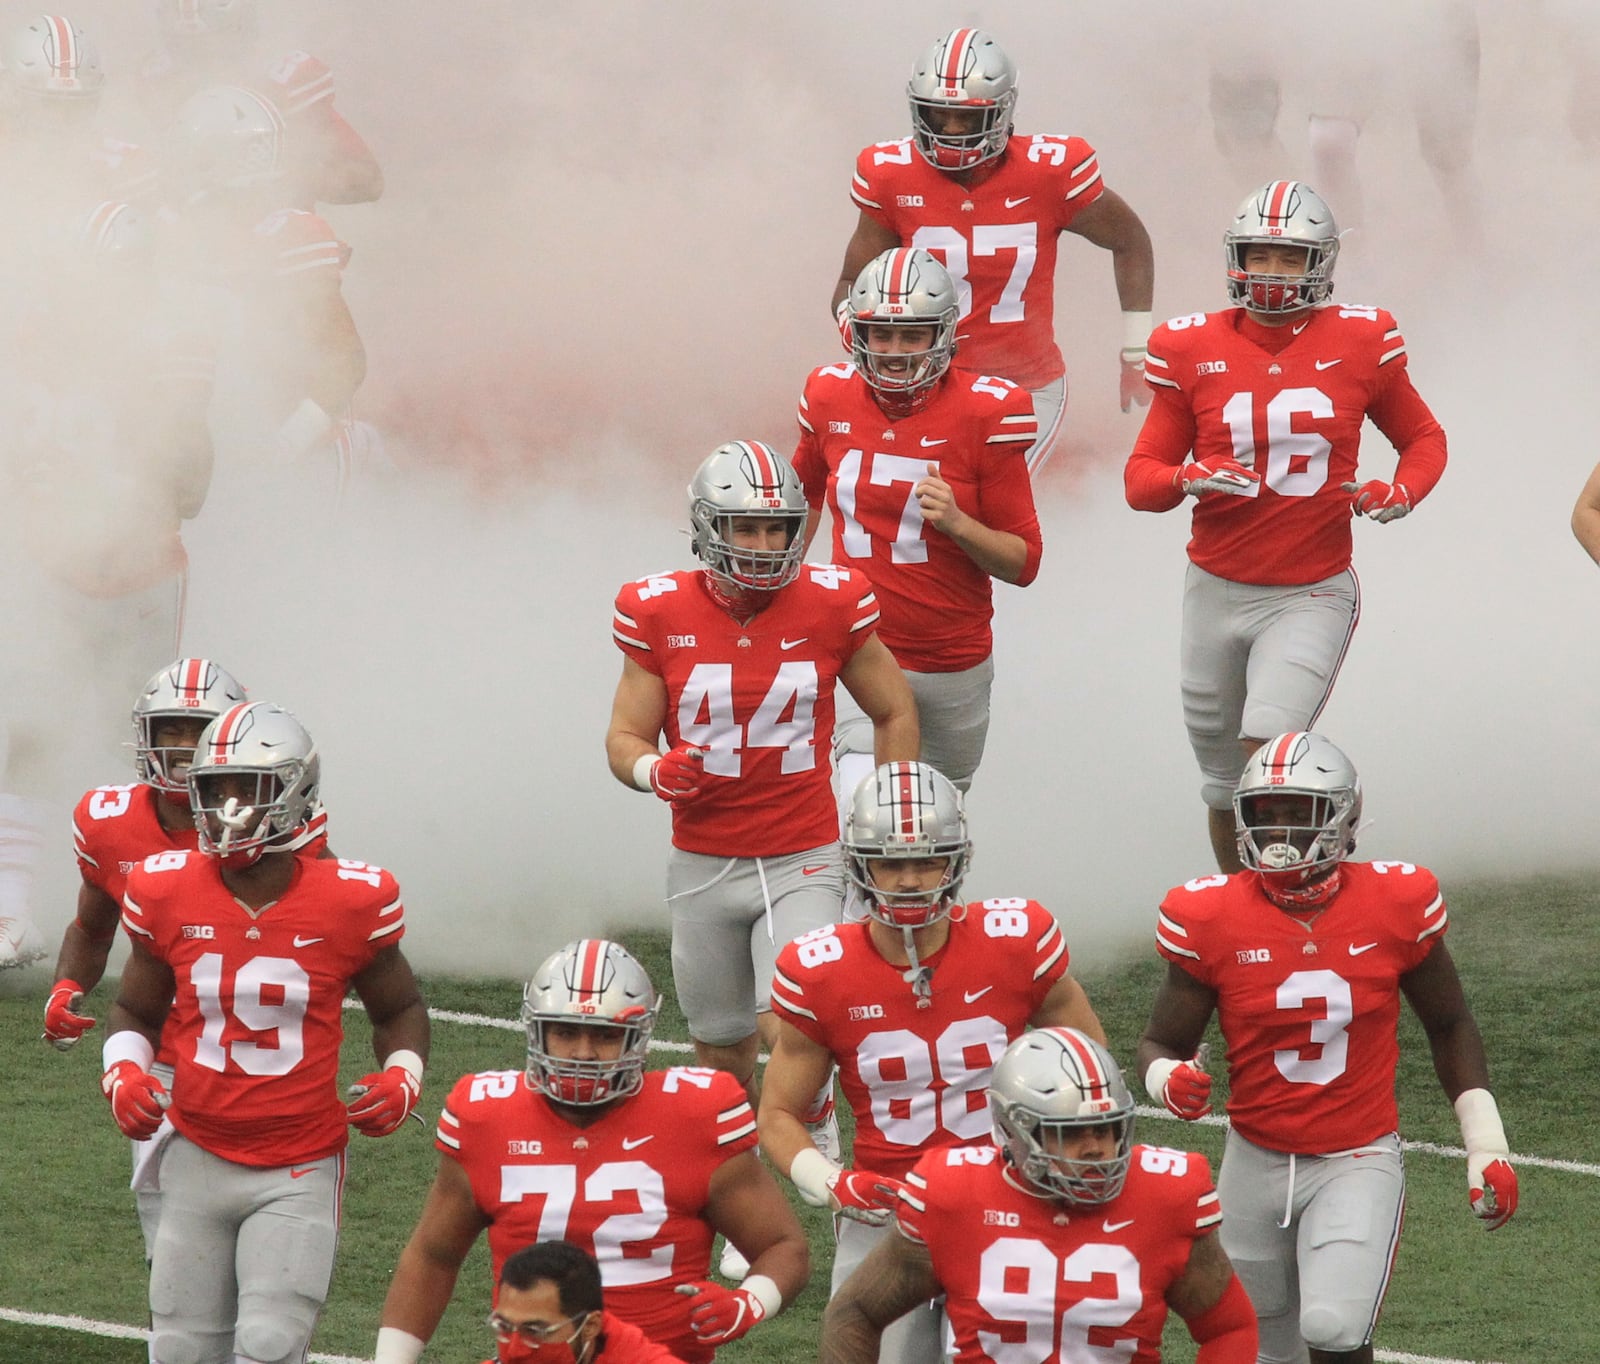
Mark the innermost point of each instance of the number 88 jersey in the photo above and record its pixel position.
(915, 1071)
(758, 696)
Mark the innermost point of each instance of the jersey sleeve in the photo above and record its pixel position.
(630, 627)
(791, 1000)
(863, 614)
(1005, 490)
(299, 83)
(735, 1122)
(863, 191)
(1080, 170)
(1050, 955)
(1398, 410)
(1180, 927)
(1423, 914)
(380, 903)
(301, 246)
(1167, 435)
(808, 460)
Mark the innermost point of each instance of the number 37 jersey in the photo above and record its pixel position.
(758, 697)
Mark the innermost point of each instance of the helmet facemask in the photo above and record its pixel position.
(747, 480)
(745, 568)
(591, 983)
(253, 784)
(1282, 213)
(907, 811)
(1296, 811)
(967, 72)
(903, 287)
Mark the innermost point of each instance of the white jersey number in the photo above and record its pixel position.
(1031, 1270)
(616, 1181)
(951, 247)
(899, 1069)
(279, 1041)
(1296, 461)
(706, 718)
(1328, 1032)
(884, 471)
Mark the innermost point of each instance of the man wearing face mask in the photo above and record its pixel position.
(549, 1310)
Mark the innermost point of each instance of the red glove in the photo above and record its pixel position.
(1185, 1089)
(863, 1196)
(1379, 500)
(680, 774)
(63, 1025)
(137, 1098)
(1492, 1189)
(1217, 476)
(1135, 392)
(383, 1100)
(717, 1314)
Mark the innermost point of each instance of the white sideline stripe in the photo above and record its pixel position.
(1573, 1167)
(1428, 1148)
(115, 1331)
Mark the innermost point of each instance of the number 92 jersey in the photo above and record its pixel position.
(916, 1071)
(631, 1188)
(258, 1009)
(758, 697)
(1029, 1277)
(1308, 1011)
(1295, 417)
(997, 237)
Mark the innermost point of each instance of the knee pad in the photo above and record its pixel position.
(1331, 136)
(1244, 109)
(1324, 1328)
(170, 1347)
(273, 1339)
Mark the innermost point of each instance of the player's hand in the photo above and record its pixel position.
(1218, 475)
(863, 1196)
(63, 1024)
(137, 1099)
(383, 1100)
(1379, 500)
(843, 316)
(1135, 392)
(680, 775)
(1187, 1091)
(936, 500)
(717, 1314)
(1491, 1188)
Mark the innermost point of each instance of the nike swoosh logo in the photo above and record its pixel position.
(972, 996)
(309, 1170)
(304, 942)
(928, 440)
(628, 1143)
(1012, 203)
(787, 644)
(1329, 364)
(1365, 947)
(1109, 1226)
(812, 871)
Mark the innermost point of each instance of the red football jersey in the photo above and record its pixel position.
(1308, 1010)
(259, 1004)
(758, 697)
(1293, 414)
(631, 1188)
(936, 603)
(996, 237)
(1030, 1277)
(916, 1071)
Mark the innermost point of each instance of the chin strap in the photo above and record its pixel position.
(1307, 895)
(234, 819)
(918, 976)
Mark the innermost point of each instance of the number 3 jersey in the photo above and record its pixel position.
(996, 236)
(1288, 402)
(916, 1071)
(1032, 1277)
(258, 1008)
(758, 697)
(1308, 1010)
(937, 603)
(631, 1188)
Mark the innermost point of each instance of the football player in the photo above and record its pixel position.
(738, 663)
(639, 1168)
(207, 43)
(1063, 1234)
(922, 470)
(1304, 957)
(991, 203)
(252, 949)
(914, 1006)
(548, 1306)
(1257, 416)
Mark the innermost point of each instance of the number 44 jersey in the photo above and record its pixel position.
(258, 1012)
(915, 1071)
(631, 1187)
(757, 696)
(1030, 1277)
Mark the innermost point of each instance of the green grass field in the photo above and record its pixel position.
(1529, 952)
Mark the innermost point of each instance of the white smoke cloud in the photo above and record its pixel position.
(607, 244)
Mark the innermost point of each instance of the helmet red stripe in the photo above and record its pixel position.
(905, 806)
(899, 283)
(764, 462)
(1277, 199)
(955, 54)
(1096, 1081)
(591, 958)
(227, 734)
(1278, 760)
(66, 59)
(191, 677)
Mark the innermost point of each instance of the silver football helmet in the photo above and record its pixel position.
(266, 747)
(906, 811)
(191, 18)
(1296, 809)
(228, 138)
(191, 688)
(1283, 211)
(747, 478)
(964, 72)
(596, 983)
(1049, 1083)
(904, 287)
(51, 59)
(115, 233)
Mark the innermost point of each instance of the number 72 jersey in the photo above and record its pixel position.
(1028, 1278)
(757, 696)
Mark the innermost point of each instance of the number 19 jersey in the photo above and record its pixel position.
(758, 697)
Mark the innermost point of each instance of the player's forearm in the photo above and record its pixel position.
(83, 958)
(408, 1030)
(783, 1134)
(787, 1263)
(623, 751)
(1586, 526)
(896, 737)
(998, 553)
(1133, 266)
(847, 1336)
(418, 1293)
